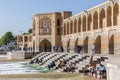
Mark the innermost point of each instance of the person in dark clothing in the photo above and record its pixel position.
(51, 65)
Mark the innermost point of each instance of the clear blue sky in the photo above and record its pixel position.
(15, 15)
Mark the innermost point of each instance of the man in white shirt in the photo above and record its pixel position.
(93, 48)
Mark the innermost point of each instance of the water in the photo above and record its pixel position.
(16, 68)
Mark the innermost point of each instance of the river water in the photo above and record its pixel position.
(16, 68)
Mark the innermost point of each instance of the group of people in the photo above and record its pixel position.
(64, 65)
(93, 70)
(96, 72)
(70, 67)
(67, 66)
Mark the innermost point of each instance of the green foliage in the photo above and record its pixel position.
(2, 40)
(27, 33)
(8, 36)
(30, 31)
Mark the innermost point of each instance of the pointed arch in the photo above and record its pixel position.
(84, 23)
(76, 45)
(75, 26)
(86, 45)
(71, 27)
(68, 28)
(68, 46)
(33, 46)
(20, 39)
(109, 16)
(102, 18)
(25, 47)
(111, 45)
(26, 38)
(89, 21)
(64, 29)
(45, 46)
(98, 45)
(95, 20)
(79, 25)
(115, 14)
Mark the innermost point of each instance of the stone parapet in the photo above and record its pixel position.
(18, 55)
(113, 69)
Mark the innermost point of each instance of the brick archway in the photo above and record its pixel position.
(111, 45)
(45, 46)
(68, 46)
(33, 46)
(86, 45)
(76, 45)
(98, 45)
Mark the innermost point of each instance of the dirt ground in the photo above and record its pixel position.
(48, 76)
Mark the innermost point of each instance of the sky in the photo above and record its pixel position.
(16, 15)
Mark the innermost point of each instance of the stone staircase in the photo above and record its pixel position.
(80, 60)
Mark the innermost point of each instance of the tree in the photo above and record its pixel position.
(8, 36)
(30, 31)
(2, 40)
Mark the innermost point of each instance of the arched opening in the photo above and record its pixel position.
(71, 27)
(45, 46)
(89, 21)
(64, 29)
(102, 18)
(25, 47)
(115, 14)
(76, 45)
(95, 20)
(26, 39)
(68, 28)
(111, 45)
(79, 25)
(84, 23)
(75, 26)
(86, 45)
(20, 39)
(33, 46)
(109, 16)
(98, 45)
(68, 46)
(58, 22)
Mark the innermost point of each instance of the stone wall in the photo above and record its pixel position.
(18, 55)
(113, 68)
(29, 55)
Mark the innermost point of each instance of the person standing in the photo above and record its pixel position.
(93, 48)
